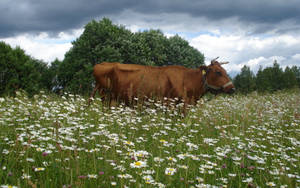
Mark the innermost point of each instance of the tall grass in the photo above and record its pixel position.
(224, 141)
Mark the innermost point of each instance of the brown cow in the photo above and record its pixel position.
(126, 81)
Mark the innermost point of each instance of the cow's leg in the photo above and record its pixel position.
(93, 93)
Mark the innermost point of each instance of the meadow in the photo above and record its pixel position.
(223, 141)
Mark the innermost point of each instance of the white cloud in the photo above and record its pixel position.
(252, 51)
(296, 57)
(43, 46)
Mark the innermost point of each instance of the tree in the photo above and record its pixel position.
(181, 53)
(289, 78)
(245, 81)
(296, 71)
(261, 82)
(270, 78)
(20, 71)
(149, 48)
(276, 77)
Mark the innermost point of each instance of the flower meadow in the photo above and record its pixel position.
(223, 141)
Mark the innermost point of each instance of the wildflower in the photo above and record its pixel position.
(30, 160)
(235, 158)
(129, 143)
(170, 171)
(25, 176)
(157, 159)
(224, 166)
(5, 151)
(183, 166)
(248, 180)
(192, 146)
(8, 186)
(199, 179)
(271, 184)
(172, 159)
(141, 153)
(211, 172)
(148, 179)
(113, 183)
(182, 156)
(81, 177)
(92, 176)
(125, 176)
(138, 164)
(148, 172)
(101, 173)
(39, 149)
(160, 185)
(38, 169)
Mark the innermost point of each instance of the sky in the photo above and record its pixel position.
(244, 32)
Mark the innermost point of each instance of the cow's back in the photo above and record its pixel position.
(139, 81)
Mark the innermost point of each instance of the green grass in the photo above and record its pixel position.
(224, 141)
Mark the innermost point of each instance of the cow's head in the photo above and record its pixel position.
(216, 77)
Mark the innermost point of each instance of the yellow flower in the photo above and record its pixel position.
(138, 164)
(271, 184)
(170, 171)
(39, 169)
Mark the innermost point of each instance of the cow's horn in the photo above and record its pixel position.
(214, 59)
(222, 63)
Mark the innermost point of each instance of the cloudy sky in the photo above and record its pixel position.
(252, 33)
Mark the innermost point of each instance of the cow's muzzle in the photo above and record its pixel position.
(227, 88)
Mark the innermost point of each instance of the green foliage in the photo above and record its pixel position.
(148, 48)
(104, 41)
(19, 71)
(245, 81)
(269, 79)
(296, 72)
(181, 53)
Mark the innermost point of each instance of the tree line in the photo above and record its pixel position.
(269, 79)
(104, 41)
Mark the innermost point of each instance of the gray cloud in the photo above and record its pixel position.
(251, 33)
(53, 16)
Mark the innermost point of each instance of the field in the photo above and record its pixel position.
(224, 141)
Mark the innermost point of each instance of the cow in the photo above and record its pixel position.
(127, 81)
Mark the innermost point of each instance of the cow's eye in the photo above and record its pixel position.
(219, 73)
